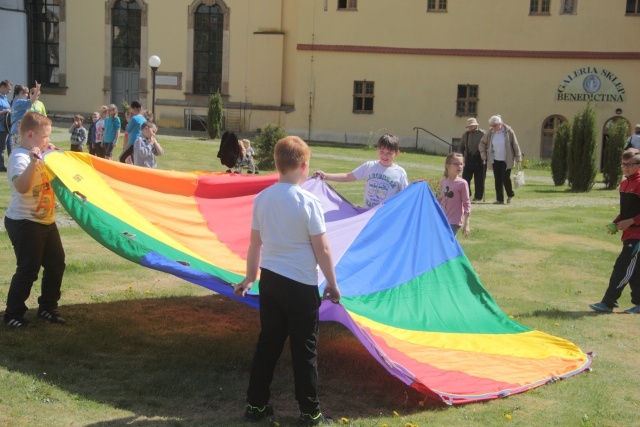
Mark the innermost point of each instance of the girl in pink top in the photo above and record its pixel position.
(454, 194)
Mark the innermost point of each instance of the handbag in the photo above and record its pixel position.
(518, 179)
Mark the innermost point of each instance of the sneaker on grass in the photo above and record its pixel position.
(52, 316)
(313, 420)
(17, 322)
(257, 413)
(601, 307)
(634, 310)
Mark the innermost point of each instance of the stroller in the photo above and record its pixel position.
(247, 162)
(245, 158)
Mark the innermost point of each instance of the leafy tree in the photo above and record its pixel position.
(611, 171)
(265, 145)
(582, 150)
(214, 115)
(559, 166)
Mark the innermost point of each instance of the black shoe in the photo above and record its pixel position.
(313, 420)
(257, 413)
(52, 316)
(3, 169)
(17, 322)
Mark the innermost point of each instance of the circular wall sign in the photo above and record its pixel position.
(591, 84)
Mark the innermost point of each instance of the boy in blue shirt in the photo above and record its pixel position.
(31, 226)
(288, 243)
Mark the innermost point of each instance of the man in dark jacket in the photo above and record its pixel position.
(473, 167)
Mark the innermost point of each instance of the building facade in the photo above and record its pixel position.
(340, 70)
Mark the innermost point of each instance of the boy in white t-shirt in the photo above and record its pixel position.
(288, 243)
(31, 225)
(384, 177)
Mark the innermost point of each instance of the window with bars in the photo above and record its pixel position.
(125, 44)
(363, 97)
(207, 49)
(467, 101)
(347, 4)
(540, 7)
(436, 5)
(44, 55)
(633, 8)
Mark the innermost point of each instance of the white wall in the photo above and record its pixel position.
(13, 27)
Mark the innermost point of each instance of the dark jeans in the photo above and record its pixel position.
(99, 147)
(6, 143)
(128, 152)
(625, 270)
(477, 173)
(35, 245)
(502, 177)
(287, 309)
(77, 148)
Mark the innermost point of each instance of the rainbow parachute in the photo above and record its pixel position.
(409, 293)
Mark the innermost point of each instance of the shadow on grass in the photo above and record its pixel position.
(185, 361)
(561, 314)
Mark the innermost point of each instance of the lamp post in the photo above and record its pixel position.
(154, 63)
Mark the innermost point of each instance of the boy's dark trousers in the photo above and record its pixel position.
(35, 245)
(128, 152)
(502, 177)
(287, 309)
(625, 270)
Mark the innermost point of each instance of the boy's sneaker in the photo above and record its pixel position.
(17, 322)
(52, 316)
(257, 413)
(600, 307)
(510, 199)
(313, 420)
(634, 310)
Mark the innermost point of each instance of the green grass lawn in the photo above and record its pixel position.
(143, 348)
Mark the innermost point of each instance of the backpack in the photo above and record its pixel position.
(6, 119)
(229, 149)
(6, 122)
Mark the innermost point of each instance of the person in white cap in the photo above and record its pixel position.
(499, 148)
(634, 140)
(473, 167)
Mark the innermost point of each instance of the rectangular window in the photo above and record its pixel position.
(436, 5)
(347, 4)
(540, 7)
(45, 42)
(633, 8)
(363, 97)
(467, 100)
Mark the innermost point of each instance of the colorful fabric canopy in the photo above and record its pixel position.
(409, 293)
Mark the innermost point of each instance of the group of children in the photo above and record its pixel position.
(287, 223)
(140, 146)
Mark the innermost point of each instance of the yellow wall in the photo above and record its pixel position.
(271, 78)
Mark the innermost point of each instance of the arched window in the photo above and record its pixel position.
(549, 129)
(207, 49)
(126, 19)
(605, 134)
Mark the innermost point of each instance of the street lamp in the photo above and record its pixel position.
(154, 63)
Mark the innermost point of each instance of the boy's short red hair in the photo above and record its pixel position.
(33, 122)
(290, 153)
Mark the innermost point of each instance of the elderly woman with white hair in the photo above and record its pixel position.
(499, 148)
